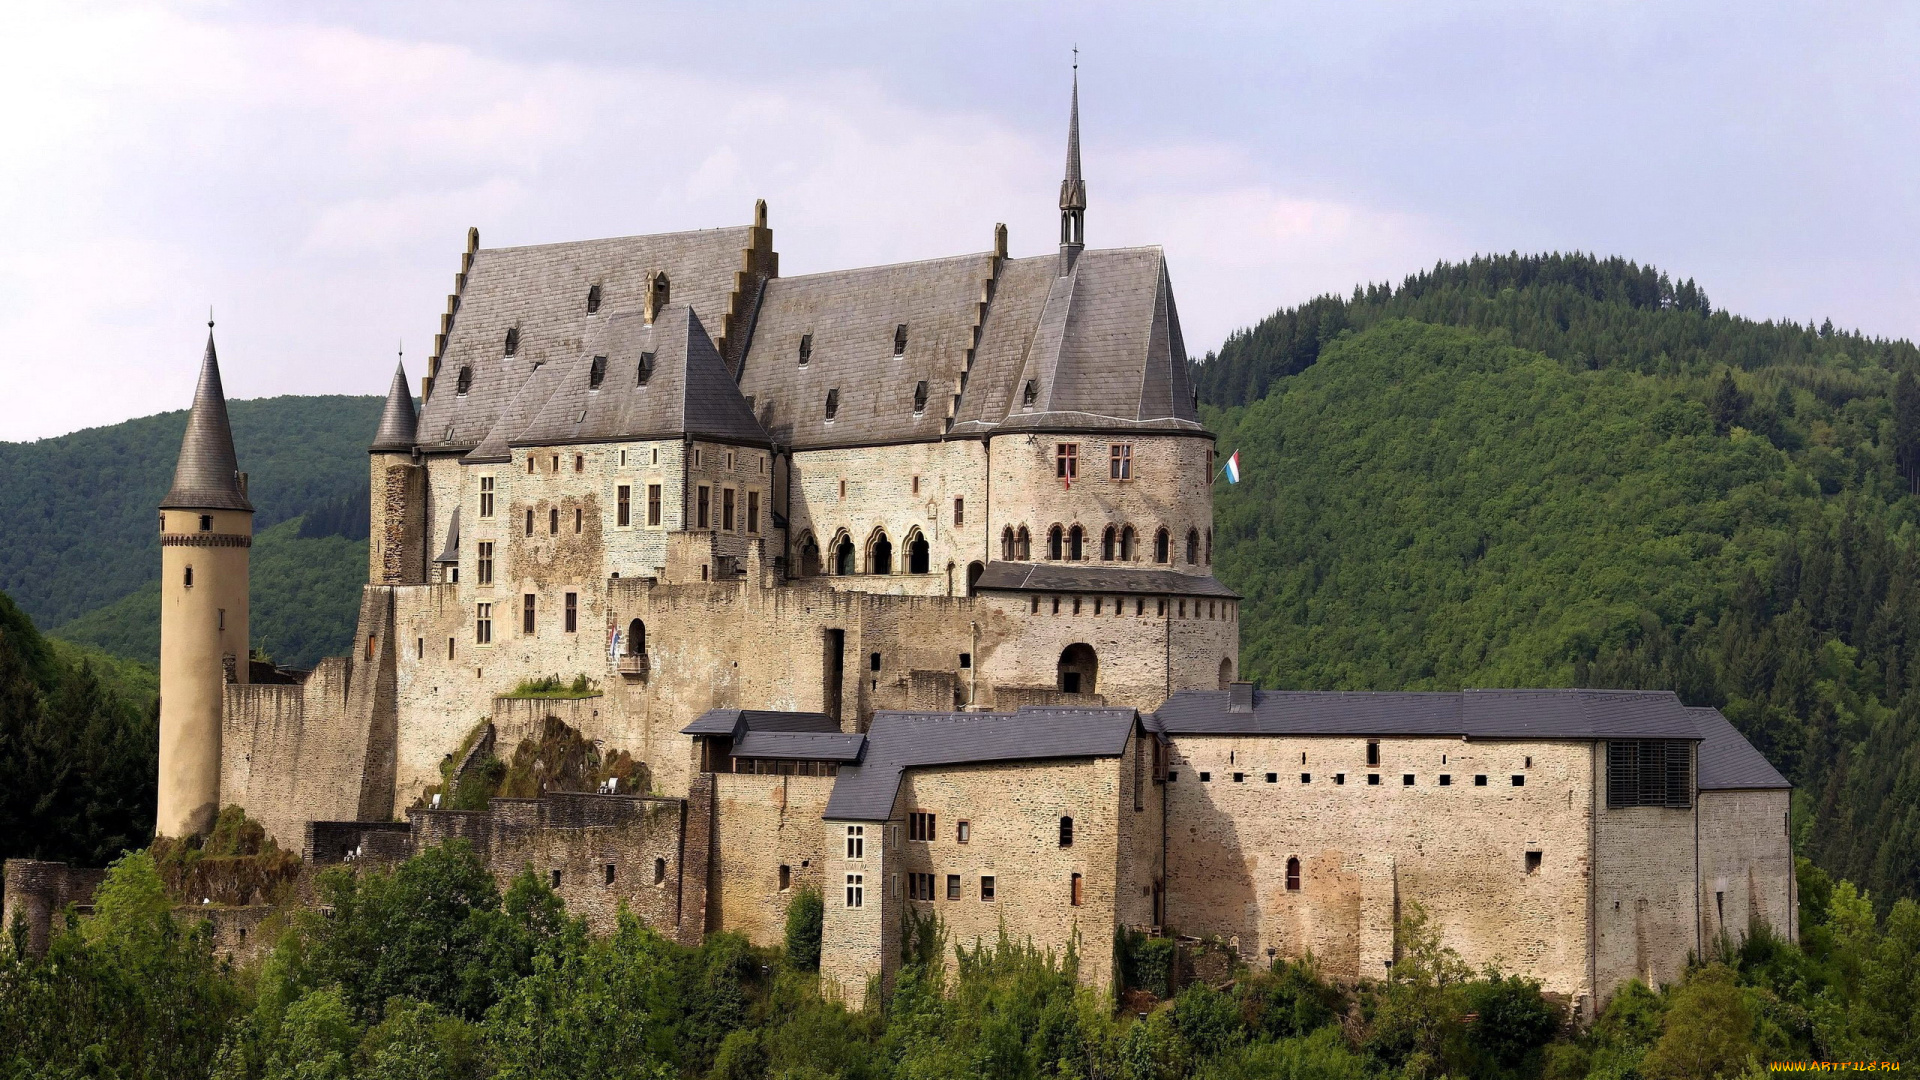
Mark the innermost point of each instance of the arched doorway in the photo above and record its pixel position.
(809, 557)
(1079, 669)
(974, 570)
(879, 553)
(1055, 544)
(917, 553)
(1076, 543)
(636, 638)
(1226, 672)
(843, 555)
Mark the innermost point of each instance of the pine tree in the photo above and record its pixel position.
(1728, 406)
(1906, 429)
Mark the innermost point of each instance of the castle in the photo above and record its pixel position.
(898, 583)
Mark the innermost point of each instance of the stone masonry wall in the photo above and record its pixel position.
(858, 944)
(1646, 909)
(1171, 488)
(1365, 851)
(36, 892)
(764, 823)
(1746, 864)
(879, 495)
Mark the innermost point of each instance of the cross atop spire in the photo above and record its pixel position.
(1073, 190)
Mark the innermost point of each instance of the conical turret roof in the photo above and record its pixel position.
(399, 424)
(208, 474)
(1073, 190)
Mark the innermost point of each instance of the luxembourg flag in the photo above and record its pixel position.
(1233, 468)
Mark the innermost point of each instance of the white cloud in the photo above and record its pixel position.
(315, 183)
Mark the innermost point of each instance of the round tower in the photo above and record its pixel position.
(206, 527)
(397, 533)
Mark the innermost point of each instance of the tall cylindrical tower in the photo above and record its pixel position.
(206, 527)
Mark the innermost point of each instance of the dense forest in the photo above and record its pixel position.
(79, 552)
(428, 972)
(1562, 471)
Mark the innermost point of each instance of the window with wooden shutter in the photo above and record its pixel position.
(1649, 772)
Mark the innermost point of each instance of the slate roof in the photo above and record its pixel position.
(1073, 578)
(542, 292)
(207, 475)
(852, 315)
(1484, 714)
(398, 422)
(800, 746)
(1726, 760)
(451, 552)
(735, 723)
(897, 741)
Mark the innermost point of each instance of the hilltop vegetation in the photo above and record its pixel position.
(1524, 472)
(79, 550)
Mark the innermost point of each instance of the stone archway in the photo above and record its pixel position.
(1226, 672)
(879, 553)
(843, 555)
(1079, 669)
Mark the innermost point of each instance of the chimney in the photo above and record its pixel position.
(1240, 697)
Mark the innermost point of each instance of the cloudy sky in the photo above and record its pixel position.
(310, 170)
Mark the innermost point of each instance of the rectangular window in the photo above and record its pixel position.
(526, 614)
(1647, 772)
(920, 887)
(1533, 862)
(963, 832)
(1120, 464)
(726, 509)
(959, 511)
(753, 511)
(953, 886)
(1075, 891)
(420, 648)
(486, 562)
(573, 612)
(1480, 780)
(916, 485)
(625, 513)
(222, 619)
(856, 841)
(579, 463)
(920, 826)
(529, 520)
(1066, 461)
(653, 504)
(1373, 752)
(486, 496)
(1446, 780)
(449, 648)
(856, 891)
(986, 888)
(705, 505)
(482, 627)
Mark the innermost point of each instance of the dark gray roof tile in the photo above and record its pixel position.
(1486, 714)
(207, 474)
(399, 424)
(1727, 760)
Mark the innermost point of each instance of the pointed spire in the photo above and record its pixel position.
(1073, 190)
(399, 424)
(207, 476)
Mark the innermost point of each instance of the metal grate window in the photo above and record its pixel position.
(1650, 772)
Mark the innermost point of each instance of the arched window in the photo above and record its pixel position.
(809, 556)
(1006, 542)
(974, 570)
(1023, 544)
(1076, 543)
(843, 555)
(1193, 547)
(1226, 672)
(1066, 832)
(1161, 541)
(1126, 544)
(1209, 547)
(1055, 544)
(1079, 669)
(879, 553)
(917, 553)
(659, 871)
(1293, 874)
(1109, 543)
(636, 638)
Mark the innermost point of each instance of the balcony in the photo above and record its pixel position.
(633, 667)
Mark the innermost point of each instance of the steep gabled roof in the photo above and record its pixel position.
(207, 475)
(1727, 761)
(898, 741)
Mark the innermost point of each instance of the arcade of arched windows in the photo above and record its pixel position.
(1117, 543)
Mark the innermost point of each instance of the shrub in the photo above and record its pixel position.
(1146, 963)
(805, 913)
(1514, 1018)
(1208, 1019)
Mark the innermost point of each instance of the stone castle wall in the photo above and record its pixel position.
(1746, 864)
(764, 823)
(35, 893)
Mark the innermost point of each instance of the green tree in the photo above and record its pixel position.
(1707, 1032)
(805, 914)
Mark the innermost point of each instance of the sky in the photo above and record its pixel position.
(310, 170)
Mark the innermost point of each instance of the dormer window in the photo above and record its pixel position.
(661, 290)
(465, 382)
(833, 403)
(645, 370)
(593, 299)
(920, 397)
(900, 339)
(597, 374)
(1027, 395)
(513, 341)
(806, 349)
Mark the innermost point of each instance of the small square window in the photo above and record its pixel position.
(610, 873)
(1239, 777)
(1446, 780)
(1406, 779)
(986, 888)
(1339, 778)
(1533, 862)
(1373, 779)
(1273, 778)
(556, 879)
(966, 660)
(1519, 780)
(1480, 781)
(1206, 777)
(1306, 778)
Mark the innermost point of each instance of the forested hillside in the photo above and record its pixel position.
(1558, 471)
(79, 551)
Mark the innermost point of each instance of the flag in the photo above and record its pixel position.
(1233, 468)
